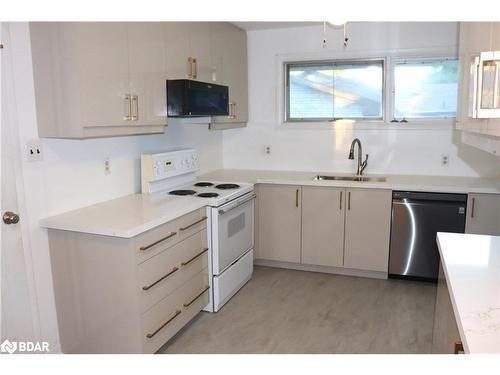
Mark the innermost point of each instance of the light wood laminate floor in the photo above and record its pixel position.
(287, 311)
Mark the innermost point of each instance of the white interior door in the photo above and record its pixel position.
(17, 300)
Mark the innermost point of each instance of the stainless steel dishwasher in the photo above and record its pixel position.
(416, 218)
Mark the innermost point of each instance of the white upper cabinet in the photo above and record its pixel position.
(479, 107)
(177, 39)
(147, 71)
(229, 62)
(82, 80)
(104, 79)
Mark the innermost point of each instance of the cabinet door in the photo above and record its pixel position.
(483, 214)
(367, 229)
(323, 226)
(199, 49)
(229, 54)
(147, 61)
(102, 57)
(279, 222)
(177, 41)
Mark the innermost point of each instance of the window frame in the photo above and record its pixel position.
(333, 62)
(416, 59)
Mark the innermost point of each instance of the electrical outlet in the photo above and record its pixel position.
(445, 160)
(107, 166)
(34, 151)
(267, 150)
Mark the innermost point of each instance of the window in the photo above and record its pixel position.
(323, 91)
(425, 89)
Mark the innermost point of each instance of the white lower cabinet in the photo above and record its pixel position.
(367, 229)
(324, 226)
(483, 214)
(129, 295)
(279, 222)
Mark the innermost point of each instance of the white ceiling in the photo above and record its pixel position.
(271, 25)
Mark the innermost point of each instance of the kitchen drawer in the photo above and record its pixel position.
(167, 271)
(172, 313)
(158, 239)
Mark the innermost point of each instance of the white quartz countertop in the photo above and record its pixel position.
(125, 217)
(394, 182)
(471, 264)
(136, 213)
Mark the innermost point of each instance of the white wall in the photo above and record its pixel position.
(71, 174)
(391, 151)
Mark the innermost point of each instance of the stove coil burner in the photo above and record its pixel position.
(227, 186)
(182, 192)
(203, 184)
(208, 195)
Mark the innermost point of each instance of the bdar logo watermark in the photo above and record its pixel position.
(12, 347)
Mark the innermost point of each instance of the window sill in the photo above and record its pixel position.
(438, 124)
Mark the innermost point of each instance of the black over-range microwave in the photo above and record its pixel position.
(187, 98)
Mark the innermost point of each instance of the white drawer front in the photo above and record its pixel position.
(166, 318)
(161, 238)
(162, 274)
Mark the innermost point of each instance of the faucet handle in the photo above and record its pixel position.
(366, 159)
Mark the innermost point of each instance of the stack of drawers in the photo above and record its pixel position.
(129, 295)
(172, 277)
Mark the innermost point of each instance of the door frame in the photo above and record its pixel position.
(10, 130)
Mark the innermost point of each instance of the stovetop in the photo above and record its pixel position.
(217, 193)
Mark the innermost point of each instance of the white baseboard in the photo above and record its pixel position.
(322, 269)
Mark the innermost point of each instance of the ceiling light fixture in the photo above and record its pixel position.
(335, 25)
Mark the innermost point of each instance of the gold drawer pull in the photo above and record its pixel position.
(150, 335)
(157, 242)
(196, 256)
(193, 224)
(198, 296)
(175, 269)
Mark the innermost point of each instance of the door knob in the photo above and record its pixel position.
(10, 217)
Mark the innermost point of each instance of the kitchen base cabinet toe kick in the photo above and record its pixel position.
(129, 295)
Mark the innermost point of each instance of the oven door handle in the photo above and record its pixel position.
(238, 203)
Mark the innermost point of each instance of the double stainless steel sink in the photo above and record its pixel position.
(350, 178)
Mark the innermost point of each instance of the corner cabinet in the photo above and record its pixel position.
(279, 222)
(229, 61)
(102, 79)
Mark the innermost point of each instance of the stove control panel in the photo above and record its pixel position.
(167, 165)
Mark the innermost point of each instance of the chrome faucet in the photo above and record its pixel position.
(361, 165)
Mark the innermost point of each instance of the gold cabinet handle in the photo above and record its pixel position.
(340, 207)
(127, 109)
(134, 104)
(157, 242)
(196, 256)
(195, 73)
(175, 269)
(459, 348)
(193, 224)
(472, 208)
(349, 201)
(190, 67)
(195, 298)
(151, 335)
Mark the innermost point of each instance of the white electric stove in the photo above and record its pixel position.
(230, 213)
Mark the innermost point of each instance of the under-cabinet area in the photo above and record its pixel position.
(210, 187)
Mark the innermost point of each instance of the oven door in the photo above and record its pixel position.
(232, 232)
